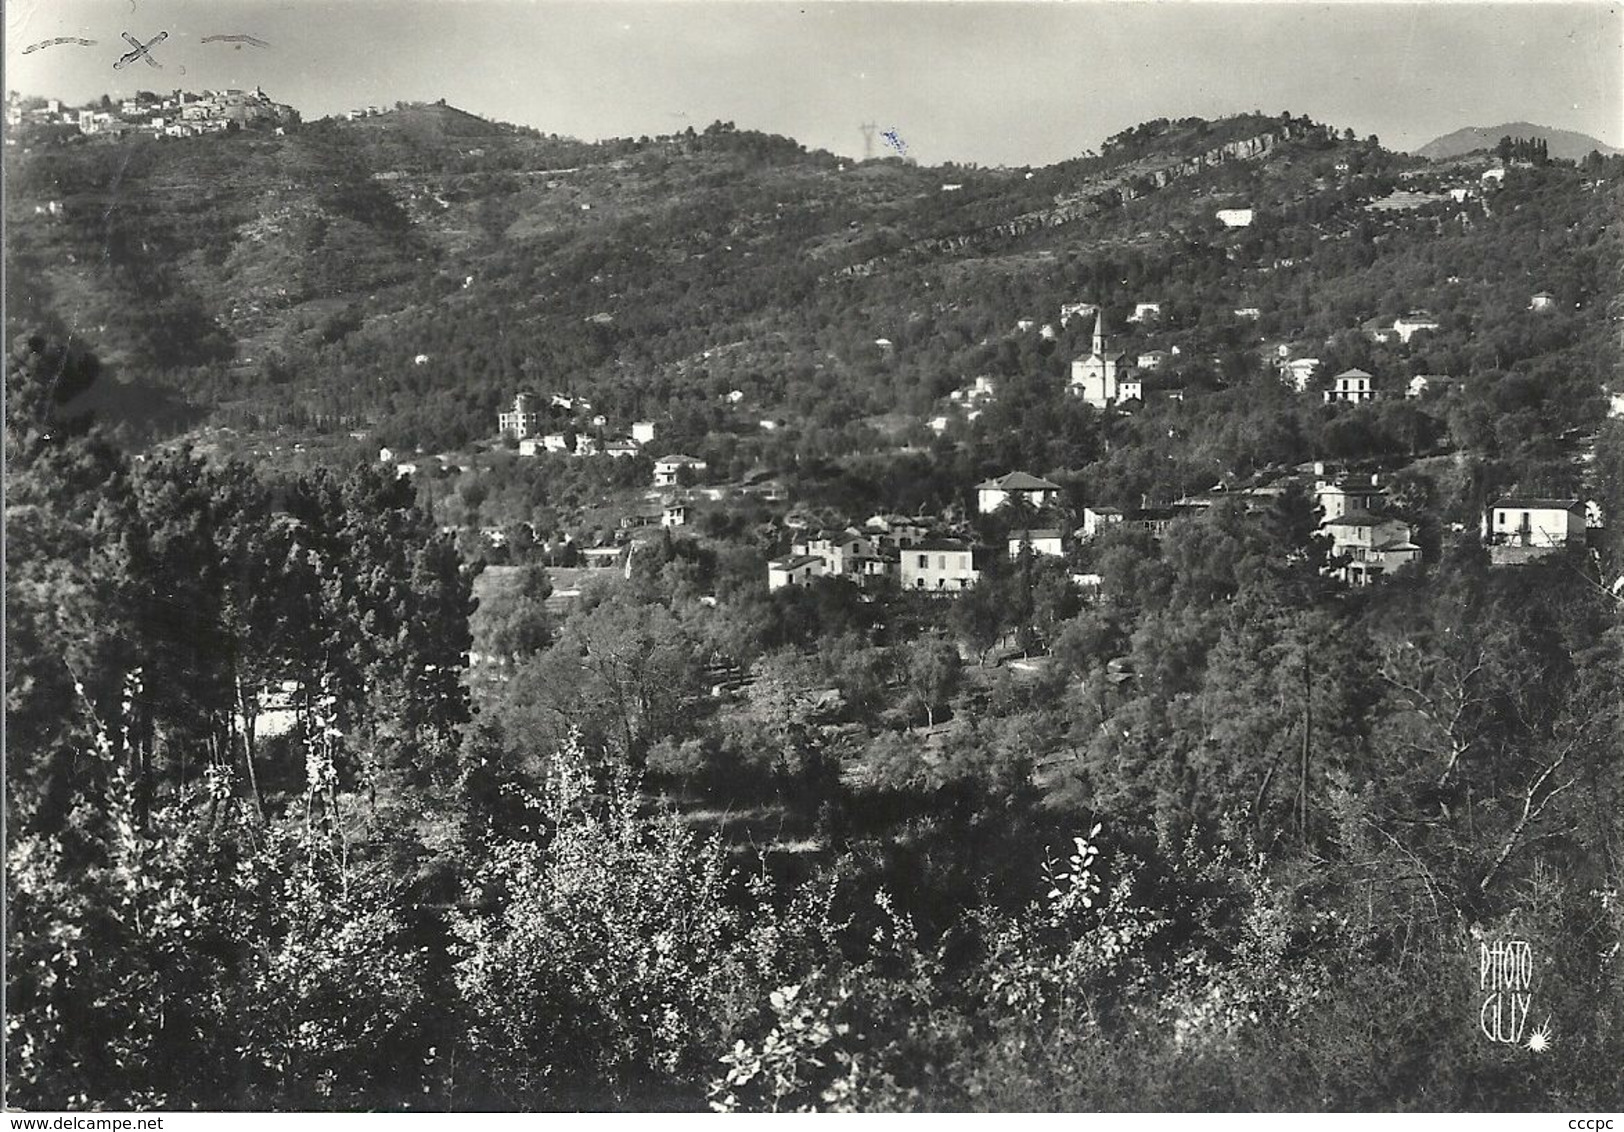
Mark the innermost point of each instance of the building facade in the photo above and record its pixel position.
(939, 566)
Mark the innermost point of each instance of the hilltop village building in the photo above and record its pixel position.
(179, 114)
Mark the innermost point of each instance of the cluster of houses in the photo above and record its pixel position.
(885, 547)
(1367, 538)
(530, 421)
(179, 114)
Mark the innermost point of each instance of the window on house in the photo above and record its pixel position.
(924, 561)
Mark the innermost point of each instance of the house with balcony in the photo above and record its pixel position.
(1350, 386)
(1153, 520)
(1521, 528)
(1365, 546)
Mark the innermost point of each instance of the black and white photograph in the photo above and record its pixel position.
(813, 556)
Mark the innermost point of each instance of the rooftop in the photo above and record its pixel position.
(1535, 503)
(1017, 481)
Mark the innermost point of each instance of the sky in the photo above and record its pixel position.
(995, 82)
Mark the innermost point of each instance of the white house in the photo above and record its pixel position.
(896, 531)
(1378, 331)
(643, 431)
(531, 446)
(1350, 494)
(673, 513)
(938, 566)
(1253, 313)
(1543, 301)
(1526, 521)
(555, 442)
(522, 420)
(1422, 382)
(1298, 372)
(1144, 312)
(937, 425)
(1046, 541)
(796, 570)
(620, 449)
(1069, 311)
(1369, 545)
(840, 551)
(1407, 326)
(994, 493)
(667, 468)
(1235, 217)
(1096, 519)
(1151, 359)
(1350, 385)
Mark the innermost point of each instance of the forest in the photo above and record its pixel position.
(684, 844)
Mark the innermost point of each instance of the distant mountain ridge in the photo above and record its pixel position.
(1568, 145)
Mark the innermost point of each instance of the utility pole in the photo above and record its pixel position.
(868, 129)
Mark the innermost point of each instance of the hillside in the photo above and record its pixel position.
(1565, 145)
(406, 273)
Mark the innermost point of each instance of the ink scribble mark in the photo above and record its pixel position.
(895, 141)
(44, 43)
(237, 39)
(141, 50)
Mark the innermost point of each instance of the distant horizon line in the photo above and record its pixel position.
(446, 103)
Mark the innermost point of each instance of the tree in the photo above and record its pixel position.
(932, 669)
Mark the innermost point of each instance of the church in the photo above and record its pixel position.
(1099, 377)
